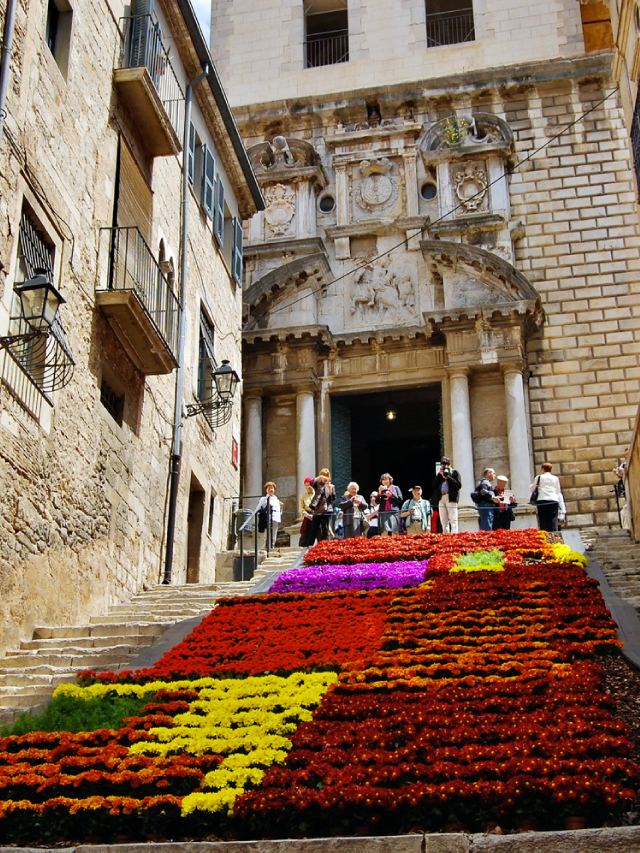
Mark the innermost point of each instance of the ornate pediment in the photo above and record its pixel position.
(464, 135)
(287, 159)
(306, 274)
(474, 282)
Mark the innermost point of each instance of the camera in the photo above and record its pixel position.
(446, 471)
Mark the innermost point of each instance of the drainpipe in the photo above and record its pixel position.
(176, 450)
(7, 43)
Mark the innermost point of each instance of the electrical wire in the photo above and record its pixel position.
(509, 171)
(235, 333)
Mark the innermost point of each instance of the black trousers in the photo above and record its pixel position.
(548, 515)
(320, 526)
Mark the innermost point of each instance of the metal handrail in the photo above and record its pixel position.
(142, 47)
(133, 267)
(449, 28)
(326, 48)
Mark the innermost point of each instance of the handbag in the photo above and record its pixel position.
(533, 500)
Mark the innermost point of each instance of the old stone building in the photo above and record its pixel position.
(91, 175)
(448, 260)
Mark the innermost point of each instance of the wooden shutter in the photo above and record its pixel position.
(191, 153)
(219, 217)
(237, 251)
(135, 198)
(208, 176)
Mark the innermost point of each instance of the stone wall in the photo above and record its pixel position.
(571, 229)
(384, 49)
(84, 498)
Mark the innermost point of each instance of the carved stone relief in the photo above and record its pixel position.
(471, 188)
(377, 190)
(281, 207)
(380, 297)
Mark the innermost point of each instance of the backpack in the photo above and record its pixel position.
(476, 496)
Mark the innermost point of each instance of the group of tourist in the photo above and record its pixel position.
(386, 511)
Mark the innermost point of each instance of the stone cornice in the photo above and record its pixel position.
(422, 90)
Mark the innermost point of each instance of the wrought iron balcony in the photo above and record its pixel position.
(140, 304)
(449, 28)
(326, 49)
(148, 85)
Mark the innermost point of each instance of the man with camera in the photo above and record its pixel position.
(446, 487)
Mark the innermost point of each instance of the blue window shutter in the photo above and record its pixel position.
(191, 153)
(237, 251)
(219, 218)
(208, 182)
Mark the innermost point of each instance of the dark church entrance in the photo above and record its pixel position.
(398, 431)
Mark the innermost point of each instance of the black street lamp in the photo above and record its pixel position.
(218, 407)
(40, 301)
(226, 380)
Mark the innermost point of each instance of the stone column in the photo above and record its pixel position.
(253, 451)
(462, 439)
(342, 244)
(411, 182)
(305, 437)
(517, 433)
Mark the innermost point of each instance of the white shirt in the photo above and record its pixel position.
(548, 488)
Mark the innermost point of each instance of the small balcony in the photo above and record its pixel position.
(140, 304)
(326, 49)
(147, 84)
(454, 27)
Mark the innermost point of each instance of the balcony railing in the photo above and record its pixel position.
(142, 48)
(449, 28)
(326, 49)
(140, 303)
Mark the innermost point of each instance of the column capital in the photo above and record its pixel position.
(304, 389)
(458, 371)
(512, 367)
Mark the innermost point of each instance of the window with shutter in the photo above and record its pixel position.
(219, 218)
(208, 182)
(237, 251)
(191, 153)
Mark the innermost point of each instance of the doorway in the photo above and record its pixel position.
(195, 521)
(399, 432)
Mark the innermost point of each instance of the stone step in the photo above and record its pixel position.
(22, 678)
(25, 701)
(100, 629)
(60, 644)
(81, 660)
(118, 620)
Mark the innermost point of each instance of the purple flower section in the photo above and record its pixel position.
(358, 576)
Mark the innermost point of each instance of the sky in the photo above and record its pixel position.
(202, 9)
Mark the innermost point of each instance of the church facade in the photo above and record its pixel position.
(448, 260)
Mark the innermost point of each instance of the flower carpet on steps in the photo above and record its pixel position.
(392, 684)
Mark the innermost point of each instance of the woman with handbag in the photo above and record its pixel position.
(307, 514)
(546, 496)
(322, 505)
(353, 506)
(389, 503)
(269, 516)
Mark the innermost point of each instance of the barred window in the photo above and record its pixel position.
(449, 22)
(206, 359)
(44, 357)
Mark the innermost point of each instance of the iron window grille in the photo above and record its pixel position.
(455, 26)
(44, 356)
(216, 411)
(635, 140)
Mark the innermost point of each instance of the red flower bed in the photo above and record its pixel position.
(421, 546)
(278, 633)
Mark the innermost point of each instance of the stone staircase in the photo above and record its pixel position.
(278, 560)
(619, 557)
(29, 675)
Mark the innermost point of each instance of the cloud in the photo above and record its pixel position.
(202, 8)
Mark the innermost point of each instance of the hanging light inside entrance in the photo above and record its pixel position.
(391, 414)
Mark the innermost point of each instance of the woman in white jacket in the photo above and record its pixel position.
(550, 498)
